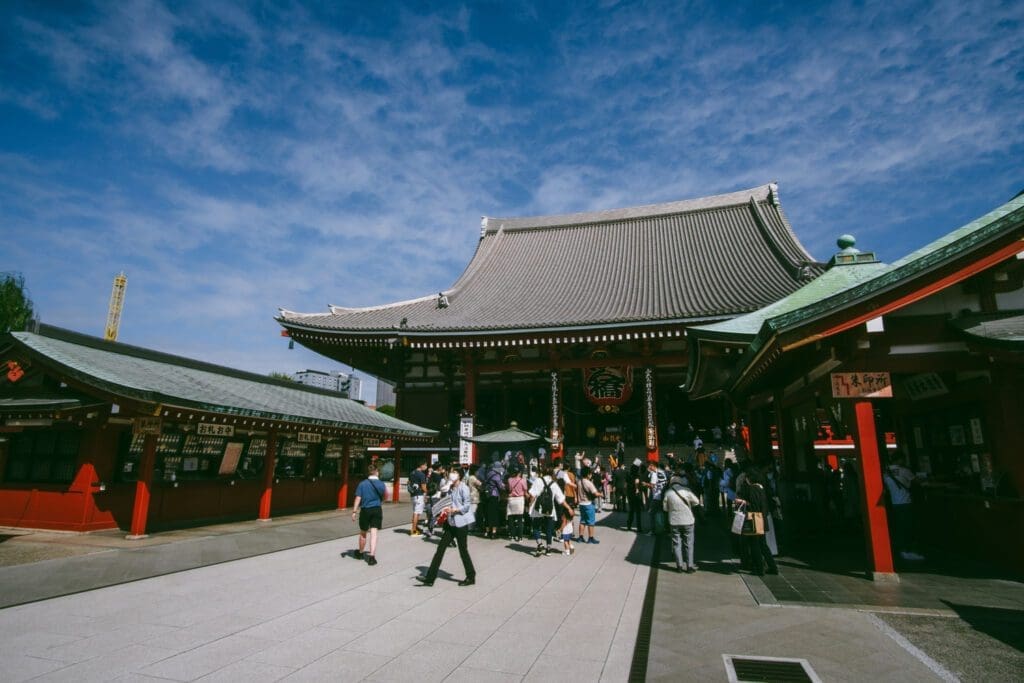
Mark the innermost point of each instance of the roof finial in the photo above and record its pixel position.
(849, 254)
(483, 226)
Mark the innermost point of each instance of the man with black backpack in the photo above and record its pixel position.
(546, 499)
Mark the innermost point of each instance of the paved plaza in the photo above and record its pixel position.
(286, 601)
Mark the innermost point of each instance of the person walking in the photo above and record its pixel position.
(418, 491)
(680, 502)
(456, 526)
(367, 506)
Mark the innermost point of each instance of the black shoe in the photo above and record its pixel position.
(679, 570)
(425, 581)
(371, 560)
(358, 554)
(468, 581)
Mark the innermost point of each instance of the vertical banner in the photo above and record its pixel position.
(465, 447)
(651, 423)
(556, 417)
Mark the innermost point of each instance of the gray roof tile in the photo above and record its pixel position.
(677, 262)
(150, 376)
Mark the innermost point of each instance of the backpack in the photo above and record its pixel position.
(413, 488)
(545, 501)
(494, 484)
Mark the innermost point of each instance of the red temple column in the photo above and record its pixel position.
(346, 455)
(650, 417)
(876, 523)
(140, 509)
(397, 486)
(760, 435)
(269, 465)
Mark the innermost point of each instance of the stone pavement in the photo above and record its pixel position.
(310, 612)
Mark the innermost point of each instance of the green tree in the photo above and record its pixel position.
(15, 306)
(281, 375)
(387, 410)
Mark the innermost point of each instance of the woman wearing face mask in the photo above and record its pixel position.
(456, 526)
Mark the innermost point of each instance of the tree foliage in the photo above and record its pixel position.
(15, 306)
(387, 410)
(281, 375)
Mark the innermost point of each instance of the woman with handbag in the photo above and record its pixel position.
(751, 494)
(457, 518)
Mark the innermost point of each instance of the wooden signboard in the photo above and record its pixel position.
(861, 385)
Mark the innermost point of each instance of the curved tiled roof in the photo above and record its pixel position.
(693, 260)
(150, 376)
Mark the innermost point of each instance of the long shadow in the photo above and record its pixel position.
(1005, 625)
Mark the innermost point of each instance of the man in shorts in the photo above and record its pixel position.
(587, 493)
(369, 496)
(418, 491)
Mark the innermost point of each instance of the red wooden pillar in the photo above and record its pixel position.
(140, 510)
(346, 455)
(876, 523)
(269, 465)
(396, 487)
(469, 399)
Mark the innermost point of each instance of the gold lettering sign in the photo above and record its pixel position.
(209, 429)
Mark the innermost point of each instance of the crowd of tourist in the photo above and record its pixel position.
(556, 503)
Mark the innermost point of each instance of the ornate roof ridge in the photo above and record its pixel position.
(767, 192)
(381, 307)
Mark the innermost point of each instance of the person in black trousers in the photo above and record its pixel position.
(635, 491)
(751, 493)
(455, 526)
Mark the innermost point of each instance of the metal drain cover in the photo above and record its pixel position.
(744, 669)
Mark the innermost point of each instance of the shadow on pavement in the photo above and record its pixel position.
(1005, 625)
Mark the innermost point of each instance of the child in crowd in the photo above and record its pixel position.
(565, 524)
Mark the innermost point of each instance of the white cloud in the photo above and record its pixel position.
(242, 161)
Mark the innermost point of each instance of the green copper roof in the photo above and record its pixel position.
(845, 285)
(832, 281)
(149, 376)
(928, 257)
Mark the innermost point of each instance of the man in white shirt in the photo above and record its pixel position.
(898, 480)
(546, 500)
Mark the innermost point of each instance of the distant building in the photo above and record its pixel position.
(385, 393)
(338, 381)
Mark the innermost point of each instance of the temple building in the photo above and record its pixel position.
(574, 324)
(923, 357)
(96, 434)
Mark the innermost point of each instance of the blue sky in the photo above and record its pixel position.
(232, 158)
